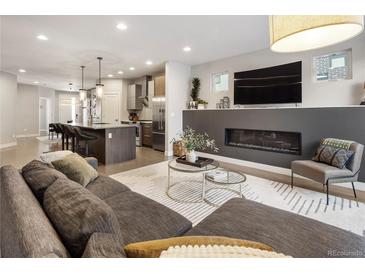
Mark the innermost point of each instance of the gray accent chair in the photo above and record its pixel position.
(326, 174)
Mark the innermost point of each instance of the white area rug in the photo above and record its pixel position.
(151, 181)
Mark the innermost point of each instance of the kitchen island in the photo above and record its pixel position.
(115, 143)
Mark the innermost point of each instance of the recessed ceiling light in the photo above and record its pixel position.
(120, 72)
(22, 70)
(131, 68)
(187, 49)
(42, 37)
(110, 75)
(35, 82)
(122, 26)
(149, 63)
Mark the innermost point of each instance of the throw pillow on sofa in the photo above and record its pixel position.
(153, 249)
(49, 157)
(103, 245)
(76, 214)
(76, 169)
(39, 176)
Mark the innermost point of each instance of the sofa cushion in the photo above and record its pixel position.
(319, 172)
(49, 157)
(103, 245)
(285, 232)
(77, 213)
(26, 232)
(142, 219)
(39, 176)
(153, 249)
(76, 168)
(104, 187)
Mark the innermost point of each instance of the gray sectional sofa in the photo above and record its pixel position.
(33, 222)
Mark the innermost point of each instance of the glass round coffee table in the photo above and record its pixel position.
(224, 179)
(175, 166)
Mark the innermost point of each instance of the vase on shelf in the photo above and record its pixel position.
(191, 156)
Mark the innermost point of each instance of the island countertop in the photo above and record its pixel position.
(113, 143)
(99, 126)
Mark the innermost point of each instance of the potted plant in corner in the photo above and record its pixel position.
(192, 141)
(195, 88)
(202, 104)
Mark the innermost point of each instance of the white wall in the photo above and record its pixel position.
(8, 94)
(177, 83)
(337, 93)
(27, 114)
(50, 94)
(27, 104)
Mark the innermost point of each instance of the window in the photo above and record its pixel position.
(333, 66)
(220, 82)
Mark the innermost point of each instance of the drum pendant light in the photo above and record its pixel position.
(82, 90)
(293, 33)
(99, 85)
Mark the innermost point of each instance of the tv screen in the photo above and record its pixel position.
(273, 85)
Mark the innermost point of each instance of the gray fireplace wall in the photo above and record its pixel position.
(313, 123)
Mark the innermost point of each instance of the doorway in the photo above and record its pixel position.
(110, 108)
(69, 109)
(44, 115)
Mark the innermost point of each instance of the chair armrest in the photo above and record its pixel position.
(92, 161)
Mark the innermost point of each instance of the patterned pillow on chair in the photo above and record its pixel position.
(327, 154)
(337, 157)
(341, 158)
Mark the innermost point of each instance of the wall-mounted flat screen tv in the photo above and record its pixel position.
(273, 85)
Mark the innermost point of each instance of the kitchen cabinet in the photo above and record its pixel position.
(133, 97)
(147, 134)
(160, 85)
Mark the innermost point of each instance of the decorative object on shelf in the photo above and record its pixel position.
(192, 105)
(179, 149)
(193, 141)
(226, 102)
(363, 100)
(293, 33)
(82, 90)
(99, 85)
(202, 104)
(195, 89)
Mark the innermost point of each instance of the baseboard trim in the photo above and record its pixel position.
(264, 167)
(27, 135)
(8, 145)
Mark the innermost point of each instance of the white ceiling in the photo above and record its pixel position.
(78, 40)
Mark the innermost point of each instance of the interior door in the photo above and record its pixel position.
(43, 116)
(110, 108)
(69, 109)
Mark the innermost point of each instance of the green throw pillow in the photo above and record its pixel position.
(76, 169)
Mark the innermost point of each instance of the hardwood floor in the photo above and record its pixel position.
(30, 148)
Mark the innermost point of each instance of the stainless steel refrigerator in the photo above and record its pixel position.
(158, 123)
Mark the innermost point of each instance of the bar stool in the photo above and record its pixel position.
(82, 136)
(51, 131)
(57, 129)
(70, 133)
(63, 134)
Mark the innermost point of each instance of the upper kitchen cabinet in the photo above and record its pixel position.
(159, 85)
(143, 81)
(133, 97)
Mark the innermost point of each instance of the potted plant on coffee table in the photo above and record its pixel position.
(192, 141)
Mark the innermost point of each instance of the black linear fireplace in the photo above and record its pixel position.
(269, 140)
